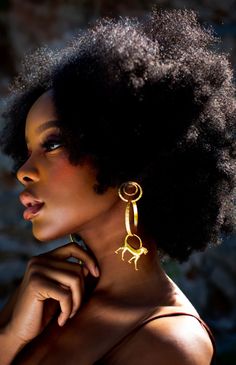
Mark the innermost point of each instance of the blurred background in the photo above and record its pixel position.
(209, 278)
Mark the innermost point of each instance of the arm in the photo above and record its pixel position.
(7, 310)
(9, 346)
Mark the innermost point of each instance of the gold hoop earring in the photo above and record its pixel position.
(130, 192)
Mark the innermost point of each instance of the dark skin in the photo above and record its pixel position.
(111, 301)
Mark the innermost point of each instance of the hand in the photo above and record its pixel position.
(50, 283)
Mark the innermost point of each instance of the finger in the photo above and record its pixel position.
(48, 289)
(72, 249)
(53, 262)
(59, 264)
(69, 279)
(66, 266)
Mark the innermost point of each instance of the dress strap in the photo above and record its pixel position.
(154, 317)
(168, 312)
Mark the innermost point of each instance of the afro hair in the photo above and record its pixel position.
(150, 100)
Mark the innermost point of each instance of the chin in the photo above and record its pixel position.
(45, 236)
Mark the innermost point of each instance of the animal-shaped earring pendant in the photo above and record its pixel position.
(131, 192)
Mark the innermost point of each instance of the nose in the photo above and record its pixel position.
(27, 173)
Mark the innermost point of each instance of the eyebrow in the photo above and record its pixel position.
(44, 126)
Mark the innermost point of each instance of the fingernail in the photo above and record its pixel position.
(62, 322)
(96, 271)
(72, 314)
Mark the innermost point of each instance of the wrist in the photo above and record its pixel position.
(10, 345)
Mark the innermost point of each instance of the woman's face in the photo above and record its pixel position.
(70, 203)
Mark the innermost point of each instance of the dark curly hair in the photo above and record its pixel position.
(150, 100)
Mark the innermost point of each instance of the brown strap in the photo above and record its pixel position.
(165, 313)
(181, 314)
(213, 361)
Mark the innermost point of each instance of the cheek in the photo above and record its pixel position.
(68, 205)
(70, 201)
(71, 187)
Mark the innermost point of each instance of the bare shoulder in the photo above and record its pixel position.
(172, 340)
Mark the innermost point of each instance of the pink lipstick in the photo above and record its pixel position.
(32, 211)
(33, 205)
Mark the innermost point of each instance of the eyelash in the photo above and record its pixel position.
(49, 141)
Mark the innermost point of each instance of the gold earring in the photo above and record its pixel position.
(130, 192)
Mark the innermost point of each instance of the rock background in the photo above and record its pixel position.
(209, 278)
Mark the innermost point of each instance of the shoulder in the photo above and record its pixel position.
(172, 340)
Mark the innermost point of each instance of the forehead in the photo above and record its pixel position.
(42, 114)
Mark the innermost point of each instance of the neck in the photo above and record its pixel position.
(119, 278)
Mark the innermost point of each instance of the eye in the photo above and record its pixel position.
(52, 143)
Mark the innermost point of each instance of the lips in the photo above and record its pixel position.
(32, 211)
(32, 204)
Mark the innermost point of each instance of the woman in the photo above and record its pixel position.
(123, 139)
